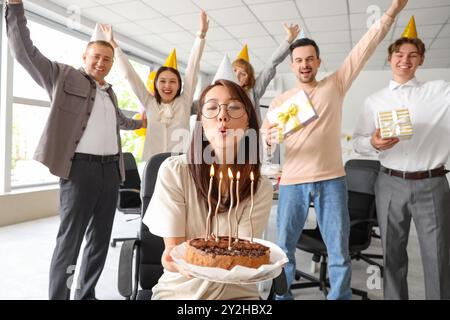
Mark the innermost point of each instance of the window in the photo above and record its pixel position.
(69, 50)
(29, 116)
(131, 142)
(28, 123)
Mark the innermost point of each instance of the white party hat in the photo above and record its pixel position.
(97, 35)
(225, 71)
(302, 34)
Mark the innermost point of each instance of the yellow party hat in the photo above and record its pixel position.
(171, 60)
(244, 54)
(150, 85)
(410, 30)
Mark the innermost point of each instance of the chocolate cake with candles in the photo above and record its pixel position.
(226, 251)
(217, 254)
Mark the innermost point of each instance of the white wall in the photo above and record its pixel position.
(21, 206)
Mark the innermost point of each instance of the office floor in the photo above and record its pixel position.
(26, 250)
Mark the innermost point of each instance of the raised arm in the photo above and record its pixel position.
(41, 69)
(396, 7)
(269, 70)
(193, 66)
(126, 69)
(131, 124)
(366, 46)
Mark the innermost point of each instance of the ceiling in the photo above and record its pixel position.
(336, 25)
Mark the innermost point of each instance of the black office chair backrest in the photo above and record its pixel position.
(132, 181)
(152, 246)
(361, 176)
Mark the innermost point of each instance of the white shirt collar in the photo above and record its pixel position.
(393, 85)
(103, 87)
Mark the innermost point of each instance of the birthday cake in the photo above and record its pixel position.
(217, 254)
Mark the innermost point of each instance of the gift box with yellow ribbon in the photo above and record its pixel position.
(395, 124)
(294, 114)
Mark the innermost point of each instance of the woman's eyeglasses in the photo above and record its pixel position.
(234, 109)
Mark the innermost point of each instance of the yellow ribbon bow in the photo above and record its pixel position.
(285, 117)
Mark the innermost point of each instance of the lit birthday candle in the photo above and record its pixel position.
(238, 176)
(208, 220)
(230, 175)
(252, 178)
(219, 196)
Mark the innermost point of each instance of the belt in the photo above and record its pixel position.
(417, 175)
(96, 158)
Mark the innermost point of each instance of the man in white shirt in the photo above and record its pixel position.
(412, 181)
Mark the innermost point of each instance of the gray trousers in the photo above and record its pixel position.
(427, 202)
(87, 207)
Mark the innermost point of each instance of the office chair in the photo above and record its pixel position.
(140, 259)
(374, 166)
(129, 201)
(361, 206)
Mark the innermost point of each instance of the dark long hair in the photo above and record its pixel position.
(155, 81)
(200, 169)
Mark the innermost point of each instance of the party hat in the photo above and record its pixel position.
(225, 71)
(302, 34)
(244, 54)
(150, 85)
(97, 35)
(171, 60)
(410, 30)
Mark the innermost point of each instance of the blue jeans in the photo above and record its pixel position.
(330, 203)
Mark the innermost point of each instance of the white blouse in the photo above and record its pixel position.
(167, 124)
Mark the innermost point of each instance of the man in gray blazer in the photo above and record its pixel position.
(81, 145)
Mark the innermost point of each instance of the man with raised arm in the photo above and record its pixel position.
(313, 170)
(81, 145)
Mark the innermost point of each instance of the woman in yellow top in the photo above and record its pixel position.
(178, 209)
(168, 111)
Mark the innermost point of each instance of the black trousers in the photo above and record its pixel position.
(88, 202)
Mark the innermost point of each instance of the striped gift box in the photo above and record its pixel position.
(395, 123)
